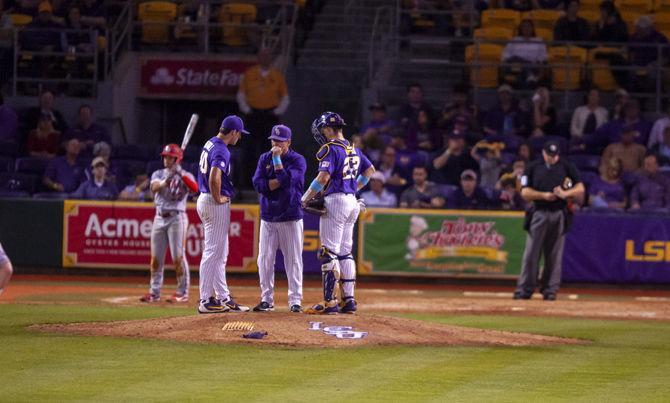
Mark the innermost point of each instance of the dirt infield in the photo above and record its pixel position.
(292, 330)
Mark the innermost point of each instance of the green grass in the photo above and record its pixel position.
(627, 361)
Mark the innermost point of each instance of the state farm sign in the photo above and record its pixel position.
(190, 78)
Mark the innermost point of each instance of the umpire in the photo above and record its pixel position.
(549, 183)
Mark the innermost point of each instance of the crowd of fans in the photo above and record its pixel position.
(466, 158)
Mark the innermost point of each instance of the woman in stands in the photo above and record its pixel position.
(608, 190)
(544, 114)
(527, 53)
(44, 140)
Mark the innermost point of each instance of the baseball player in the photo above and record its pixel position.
(5, 269)
(216, 191)
(170, 186)
(279, 180)
(343, 170)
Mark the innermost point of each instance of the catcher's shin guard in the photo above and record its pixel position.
(348, 275)
(330, 271)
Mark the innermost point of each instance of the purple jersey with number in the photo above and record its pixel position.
(344, 163)
(215, 154)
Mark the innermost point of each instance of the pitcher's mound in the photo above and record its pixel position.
(293, 330)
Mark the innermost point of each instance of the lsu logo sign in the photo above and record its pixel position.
(652, 251)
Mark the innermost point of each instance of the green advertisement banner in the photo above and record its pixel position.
(442, 243)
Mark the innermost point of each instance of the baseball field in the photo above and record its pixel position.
(72, 338)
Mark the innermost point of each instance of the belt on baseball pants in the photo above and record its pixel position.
(167, 214)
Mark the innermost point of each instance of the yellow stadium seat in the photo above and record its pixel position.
(156, 17)
(20, 20)
(599, 69)
(591, 16)
(661, 6)
(662, 22)
(484, 76)
(630, 18)
(567, 67)
(493, 34)
(236, 13)
(634, 6)
(542, 18)
(546, 34)
(501, 17)
(590, 5)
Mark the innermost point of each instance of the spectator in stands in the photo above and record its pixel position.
(490, 163)
(9, 121)
(424, 194)
(506, 118)
(396, 179)
(652, 189)
(376, 133)
(643, 56)
(453, 159)
(44, 140)
(632, 118)
(377, 196)
(64, 174)
(423, 11)
(657, 131)
(104, 151)
(406, 159)
(510, 196)
(621, 98)
(77, 37)
(44, 32)
(263, 97)
(627, 151)
(459, 110)
(527, 53)
(6, 44)
(544, 114)
(608, 191)
(98, 187)
(662, 149)
(518, 167)
(45, 107)
(572, 27)
(423, 136)
(409, 112)
(525, 152)
(93, 14)
(27, 7)
(587, 118)
(86, 130)
(138, 190)
(469, 196)
(610, 27)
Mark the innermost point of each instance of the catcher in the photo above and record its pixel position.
(343, 170)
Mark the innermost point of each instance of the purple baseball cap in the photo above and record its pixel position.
(233, 122)
(280, 133)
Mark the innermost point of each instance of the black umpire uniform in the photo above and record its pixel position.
(547, 182)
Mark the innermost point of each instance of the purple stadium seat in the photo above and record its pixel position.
(31, 165)
(18, 182)
(131, 152)
(586, 162)
(588, 178)
(6, 164)
(448, 191)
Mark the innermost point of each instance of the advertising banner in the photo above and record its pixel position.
(617, 248)
(445, 243)
(118, 235)
(197, 78)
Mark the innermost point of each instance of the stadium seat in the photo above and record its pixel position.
(491, 193)
(599, 69)
(235, 14)
(661, 6)
(588, 177)
(493, 34)
(634, 6)
(156, 17)
(591, 16)
(543, 18)
(662, 21)
(489, 54)
(18, 182)
(591, 6)
(448, 191)
(567, 68)
(6, 164)
(630, 17)
(545, 33)
(586, 162)
(31, 165)
(501, 17)
(20, 20)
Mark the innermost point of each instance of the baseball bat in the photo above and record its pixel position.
(189, 130)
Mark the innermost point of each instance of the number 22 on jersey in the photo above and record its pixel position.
(351, 164)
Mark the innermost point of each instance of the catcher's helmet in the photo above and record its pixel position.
(327, 119)
(173, 150)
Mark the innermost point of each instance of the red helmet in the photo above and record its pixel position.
(173, 150)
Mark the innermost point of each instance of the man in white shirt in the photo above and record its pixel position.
(377, 196)
(587, 118)
(656, 135)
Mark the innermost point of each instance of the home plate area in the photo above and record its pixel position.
(297, 330)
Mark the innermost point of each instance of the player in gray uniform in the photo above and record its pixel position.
(343, 170)
(5, 269)
(171, 186)
(279, 179)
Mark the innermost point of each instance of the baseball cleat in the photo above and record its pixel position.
(150, 298)
(349, 306)
(323, 308)
(234, 306)
(175, 298)
(519, 295)
(263, 307)
(296, 308)
(212, 305)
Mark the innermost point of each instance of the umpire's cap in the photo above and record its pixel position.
(552, 148)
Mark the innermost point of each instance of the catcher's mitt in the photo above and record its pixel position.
(315, 206)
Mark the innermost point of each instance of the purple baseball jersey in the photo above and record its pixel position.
(215, 154)
(344, 163)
